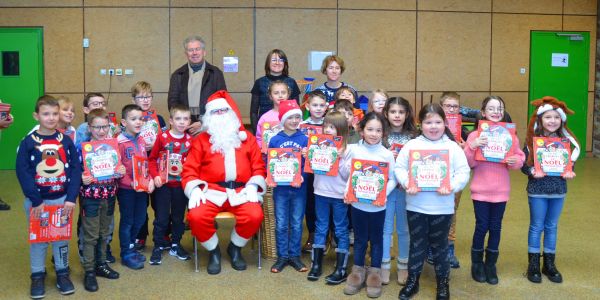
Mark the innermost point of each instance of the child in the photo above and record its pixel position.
(378, 101)
(489, 200)
(276, 68)
(429, 213)
(400, 116)
(153, 126)
(290, 201)
(50, 174)
(333, 67)
(278, 91)
(316, 104)
(346, 108)
(97, 202)
(329, 194)
(346, 93)
(90, 102)
(132, 203)
(450, 102)
(546, 193)
(65, 117)
(368, 219)
(171, 199)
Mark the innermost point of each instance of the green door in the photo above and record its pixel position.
(21, 84)
(559, 66)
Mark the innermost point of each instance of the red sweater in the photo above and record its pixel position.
(178, 149)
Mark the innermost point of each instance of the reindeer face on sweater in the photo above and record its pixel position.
(51, 164)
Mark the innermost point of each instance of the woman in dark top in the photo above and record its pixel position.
(276, 68)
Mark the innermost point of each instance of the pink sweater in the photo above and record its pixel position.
(491, 181)
(271, 116)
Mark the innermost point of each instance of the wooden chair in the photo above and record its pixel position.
(223, 216)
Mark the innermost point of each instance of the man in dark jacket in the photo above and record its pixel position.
(194, 82)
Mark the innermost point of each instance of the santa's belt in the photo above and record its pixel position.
(231, 184)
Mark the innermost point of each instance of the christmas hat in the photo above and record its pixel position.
(56, 146)
(221, 99)
(288, 108)
(543, 105)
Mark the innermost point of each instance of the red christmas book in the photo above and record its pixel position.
(309, 129)
(455, 125)
(269, 130)
(151, 128)
(141, 178)
(500, 136)
(52, 225)
(112, 120)
(4, 111)
(395, 148)
(429, 170)
(552, 156)
(367, 182)
(101, 159)
(163, 166)
(323, 154)
(283, 166)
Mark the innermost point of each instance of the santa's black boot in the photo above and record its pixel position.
(214, 261)
(235, 253)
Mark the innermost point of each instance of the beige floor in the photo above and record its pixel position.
(577, 259)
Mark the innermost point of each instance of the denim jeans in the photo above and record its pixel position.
(368, 228)
(428, 231)
(323, 206)
(543, 217)
(37, 251)
(290, 203)
(396, 206)
(488, 218)
(132, 206)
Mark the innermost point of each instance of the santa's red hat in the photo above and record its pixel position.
(288, 108)
(54, 145)
(221, 99)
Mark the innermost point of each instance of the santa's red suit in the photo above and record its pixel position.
(232, 181)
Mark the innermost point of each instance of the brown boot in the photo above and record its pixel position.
(307, 248)
(355, 281)
(402, 268)
(374, 282)
(385, 272)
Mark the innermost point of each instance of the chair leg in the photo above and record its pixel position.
(260, 249)
(195, 254)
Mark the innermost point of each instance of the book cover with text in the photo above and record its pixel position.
(429, 170)
(552, 155)
(52, 225)
(101, 159)
(283, 166)
(501, 140)
(323, 154)
(367, 182)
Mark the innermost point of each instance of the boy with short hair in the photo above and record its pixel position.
(172, 200)
(347, 108)
(90, 101)
(50, 174)
(132, 203)
(97, 204)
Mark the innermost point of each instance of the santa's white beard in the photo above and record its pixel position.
(223, 130)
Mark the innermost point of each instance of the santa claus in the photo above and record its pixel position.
(224, 171)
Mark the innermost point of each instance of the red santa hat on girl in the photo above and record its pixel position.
(543, 105)
(288, 108)
(220, 100)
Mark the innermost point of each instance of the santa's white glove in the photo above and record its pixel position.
(252, 192)
(196, 196)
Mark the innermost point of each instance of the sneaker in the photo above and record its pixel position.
(130, 260)
(64, 284)
(110, 258)
(89, 281)
(179, 252)
(38, 288)
(106, 272)
(141, 257)
(430, 256)
(156, 257)
(454, 264)
(140, 244)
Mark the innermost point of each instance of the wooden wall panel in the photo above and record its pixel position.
(510, 48)
(212, 3)
(584, 23)
(296, 33)
(297, 4)
(528, 6)
(456, 5)
(144, 47)
(453, 51)
(133, 3)
(378, 4)
(385, 60)
(63, 54)
(39, 3)
(581, 7)
(180, 29)
(232, 30)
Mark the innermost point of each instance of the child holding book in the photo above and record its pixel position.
(132, 203)
(400, 116)
(278, 91)
(170, 207)
(50, 174)
(97, 202)
(316, 104)
(429, 213)
(489, 200)
(367, 218)
(546, 193)
(329, 197)
(290, 201)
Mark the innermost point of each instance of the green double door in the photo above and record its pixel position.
(21, 84)
(559, 67)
